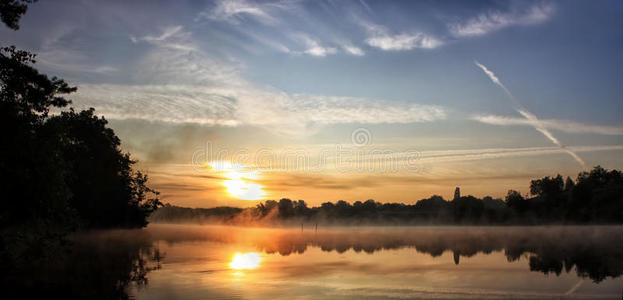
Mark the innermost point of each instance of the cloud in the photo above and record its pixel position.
(245, 105)
(562, 125)
(404, 41)
(379, 37)
(71, 61)
(315, 49)
(353, 50)
(407, 159)
(320, 51)
(56, 54)
(270, 42)
(366, 6)
(494, 153)
(271, 14)
(173, 37)
(333, 110)
(166, 103)
(185, 85)
(184, 66)
(495, 20)
(167, 33)
(235, 10)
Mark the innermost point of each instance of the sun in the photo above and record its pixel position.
(245, 261)
(244, 190)
(238, 180)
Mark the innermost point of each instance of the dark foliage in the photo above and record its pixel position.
(12, 10)
(59, 172)
(106, 192)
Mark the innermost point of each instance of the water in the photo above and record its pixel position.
(218, 262)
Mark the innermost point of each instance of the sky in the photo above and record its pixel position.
(235, 102)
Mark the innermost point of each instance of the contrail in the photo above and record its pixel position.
(574, 288)
(530, 116)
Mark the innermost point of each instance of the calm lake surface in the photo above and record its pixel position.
(220, 262)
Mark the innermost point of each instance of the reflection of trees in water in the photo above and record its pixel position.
(594, 252)
(100, 265)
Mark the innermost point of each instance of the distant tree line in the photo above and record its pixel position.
(177, 214)
(595, 197)
(58, 172)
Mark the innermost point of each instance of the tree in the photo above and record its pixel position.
(569, 184)
(56, 167)
(516, 202)
(342, 208)
(467, 209)
(23, 87)
(265, 208)
(547, 187)
(598, 196)
(107, 192)
(12, 10)
(33, 182)
(431, 208)
(286, 209)
(300, 208)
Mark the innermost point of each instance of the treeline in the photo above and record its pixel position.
(59, 172)
(595, 197)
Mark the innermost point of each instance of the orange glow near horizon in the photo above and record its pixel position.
(245, 261)
(237, 182)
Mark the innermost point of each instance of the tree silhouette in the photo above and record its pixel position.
(12, 10)
(35, 204)
(57, 172)
(106, 191)
(516, 202)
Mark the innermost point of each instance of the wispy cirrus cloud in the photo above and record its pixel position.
(496, 20)
(314, 48)
(55, 54)
(185, 85)
(366, 6)
(353, 50)
(276, 18)
(167, 33)
(245, 105)
(561, 125)
(380, 37)
(494, 153)
(404, 41)
(465, 155)
(236, 10)
(174, 37)
(334, 110)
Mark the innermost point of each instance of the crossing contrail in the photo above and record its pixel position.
(534, 121)
(574, 288)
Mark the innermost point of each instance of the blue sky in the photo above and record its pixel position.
(171, 75)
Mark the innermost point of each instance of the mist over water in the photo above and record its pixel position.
(557, 262)
(182, 261)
